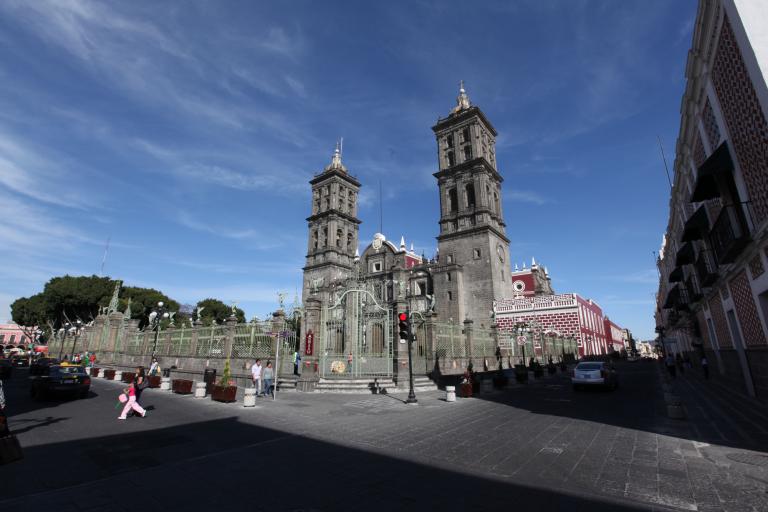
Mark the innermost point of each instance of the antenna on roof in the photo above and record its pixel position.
(104, 258)
(381, 212)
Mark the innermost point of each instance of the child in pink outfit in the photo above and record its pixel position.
(131, 404)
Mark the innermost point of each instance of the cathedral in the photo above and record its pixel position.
(471, 269)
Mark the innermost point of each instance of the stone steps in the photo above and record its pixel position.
(359, 386)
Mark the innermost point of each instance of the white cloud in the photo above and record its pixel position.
(526, 196)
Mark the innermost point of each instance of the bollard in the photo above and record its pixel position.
(450, 393)
(100, 372)
(165, 384)
(199, 389)
(118, 376)
(249, 399)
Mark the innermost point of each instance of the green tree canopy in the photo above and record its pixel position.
(76, 297)
(29, 311)
(143, 300)
(217, 310)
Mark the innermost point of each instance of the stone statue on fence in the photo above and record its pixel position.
(114, 300)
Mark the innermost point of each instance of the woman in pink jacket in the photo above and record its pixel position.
(131, 403)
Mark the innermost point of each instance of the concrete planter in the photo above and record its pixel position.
(109, 374)
(155, 381)
(128, 377)
(466, 390)
(94, 371)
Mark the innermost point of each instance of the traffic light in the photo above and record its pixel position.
(404, 326)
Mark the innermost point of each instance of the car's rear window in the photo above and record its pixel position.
(70, 370)
(589, 366)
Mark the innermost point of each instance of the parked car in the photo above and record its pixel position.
(19, 361)
(6, 368)
(38, 366)
(56, 379)
(594, 373)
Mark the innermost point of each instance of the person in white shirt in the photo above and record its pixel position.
(256, 376)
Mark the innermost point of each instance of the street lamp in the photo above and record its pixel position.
(522, 330)
(65, 328)
(157, 315)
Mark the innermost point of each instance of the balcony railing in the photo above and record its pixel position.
(729, 234)
(706, 269)
(694, 292)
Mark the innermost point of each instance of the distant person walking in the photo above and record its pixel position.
(131, 404)
(349, 362)
(269, 375)
(296, 362)
(256, 376)
(670, 362)
(154, 368)
(705, 367)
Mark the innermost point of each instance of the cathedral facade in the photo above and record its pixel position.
(472, 267)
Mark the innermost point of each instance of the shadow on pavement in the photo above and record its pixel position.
(18, 388)
(227, 464)
(637, 404)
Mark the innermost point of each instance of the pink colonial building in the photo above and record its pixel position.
(11, 335)
(544, 312)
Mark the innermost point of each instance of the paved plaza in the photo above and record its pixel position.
(540, 446)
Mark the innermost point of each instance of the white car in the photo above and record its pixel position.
(594, 373)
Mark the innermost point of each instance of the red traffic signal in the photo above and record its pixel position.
(403, 317)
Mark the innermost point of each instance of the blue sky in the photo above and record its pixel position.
(187, 132)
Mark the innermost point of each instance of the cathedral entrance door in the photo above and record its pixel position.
(356, 337)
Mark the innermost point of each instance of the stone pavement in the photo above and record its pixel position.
(539, 446)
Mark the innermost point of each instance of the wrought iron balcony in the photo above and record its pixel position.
(694, 292)
(729, 235)
(697, 226)
(676, 275)
(706, 269)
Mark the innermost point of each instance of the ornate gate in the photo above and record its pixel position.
(357, 328)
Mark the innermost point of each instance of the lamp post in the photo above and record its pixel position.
(75, 329)
(523, 330)
(65, 328)
(157, 315)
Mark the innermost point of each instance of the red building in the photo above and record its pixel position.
(566, 315)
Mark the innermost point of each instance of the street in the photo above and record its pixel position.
(538, 446)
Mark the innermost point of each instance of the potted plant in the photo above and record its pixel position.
(538, 370)
(225, 390)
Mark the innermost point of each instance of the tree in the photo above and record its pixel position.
(143, 300)
(215, 309)
(76, 297)
(29, 313)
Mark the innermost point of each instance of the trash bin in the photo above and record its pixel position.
(166, 372)
(209, 377)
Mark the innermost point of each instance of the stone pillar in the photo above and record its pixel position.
(430, 331)
(193, 343)
(468, 345)
(230, 323)
(115, 322)
(310, 325)
(99, 342)
(495, 336)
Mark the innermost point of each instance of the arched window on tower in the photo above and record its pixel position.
(339, 236)
(488, 195)
(453, 202)
(314, 239)
(470, 191)
(467, 153)
(451, 159)
(465, 135)
(349, 242)
(325, 237)
(496, 203)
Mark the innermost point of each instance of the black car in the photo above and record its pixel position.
(6, 368)
(19, 361)
(58, 379)
(39, 366)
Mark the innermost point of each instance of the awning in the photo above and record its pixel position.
(718, 163)
(685, 255)
(676, 275)
(697, 226)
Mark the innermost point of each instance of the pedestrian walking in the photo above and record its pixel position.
(296, 362)
(269, 374)
(679, 363)
(141, 383)
(154, 368)
(349, 362)
(670, 362)
(705, 367)
(130, 403)
(256, 376)
(92, 359)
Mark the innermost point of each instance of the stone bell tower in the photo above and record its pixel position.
(473, 245)
(333, 229)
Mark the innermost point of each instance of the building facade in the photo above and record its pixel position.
(12, 336)
(713, 291)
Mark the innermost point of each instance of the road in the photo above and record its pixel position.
(540, 446)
